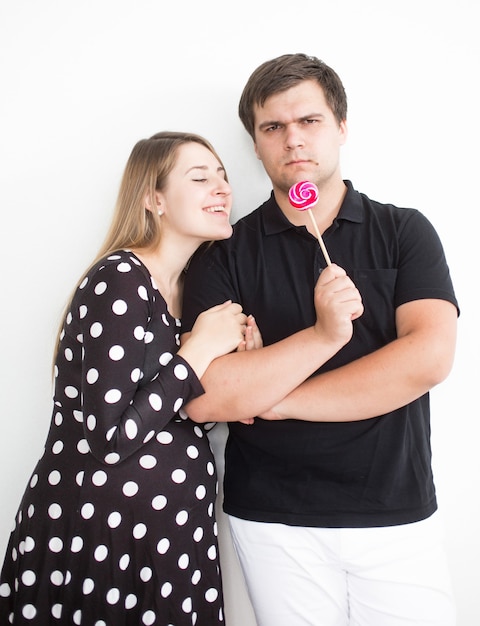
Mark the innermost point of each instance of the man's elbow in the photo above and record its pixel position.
(197, 412)
(202, 410)
(441, 363)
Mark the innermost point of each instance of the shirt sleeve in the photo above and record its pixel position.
(423, 271)
(210, 280)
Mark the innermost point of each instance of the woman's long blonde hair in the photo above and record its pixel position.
(146, 171)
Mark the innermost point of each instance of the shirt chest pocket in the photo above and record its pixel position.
(377, 288)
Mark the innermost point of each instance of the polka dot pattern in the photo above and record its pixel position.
(116, 526)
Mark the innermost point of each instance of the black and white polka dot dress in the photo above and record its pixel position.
(117, 524)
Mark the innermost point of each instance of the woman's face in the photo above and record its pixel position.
(196, 201)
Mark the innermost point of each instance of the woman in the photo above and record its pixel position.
(117, 524)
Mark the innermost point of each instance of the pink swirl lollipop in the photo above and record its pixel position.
(303, 196)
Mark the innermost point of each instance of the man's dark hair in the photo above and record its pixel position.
(284, 72)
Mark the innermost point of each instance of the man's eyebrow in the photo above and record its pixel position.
(309, 116)
(268, 123)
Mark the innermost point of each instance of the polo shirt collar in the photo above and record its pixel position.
(274, 220)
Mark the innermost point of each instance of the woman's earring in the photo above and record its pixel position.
(160, 212)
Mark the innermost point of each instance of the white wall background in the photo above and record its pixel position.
(81, 82)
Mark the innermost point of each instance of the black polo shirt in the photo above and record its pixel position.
(374, 472)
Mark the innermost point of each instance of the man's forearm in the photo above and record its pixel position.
(244, 384)
(382, 381)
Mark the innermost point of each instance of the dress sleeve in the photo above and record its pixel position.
(122, 410)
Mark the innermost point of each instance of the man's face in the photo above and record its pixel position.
(297, 137)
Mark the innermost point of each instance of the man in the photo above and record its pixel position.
(330, 493)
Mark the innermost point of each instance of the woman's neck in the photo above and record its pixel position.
(167, 269)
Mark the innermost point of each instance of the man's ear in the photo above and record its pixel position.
(343, 132)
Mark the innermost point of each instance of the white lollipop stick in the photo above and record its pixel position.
(319, 237)
(303, 196)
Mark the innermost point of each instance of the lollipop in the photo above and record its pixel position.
(303, 196)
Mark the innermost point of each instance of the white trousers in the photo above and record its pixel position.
(391, 576)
